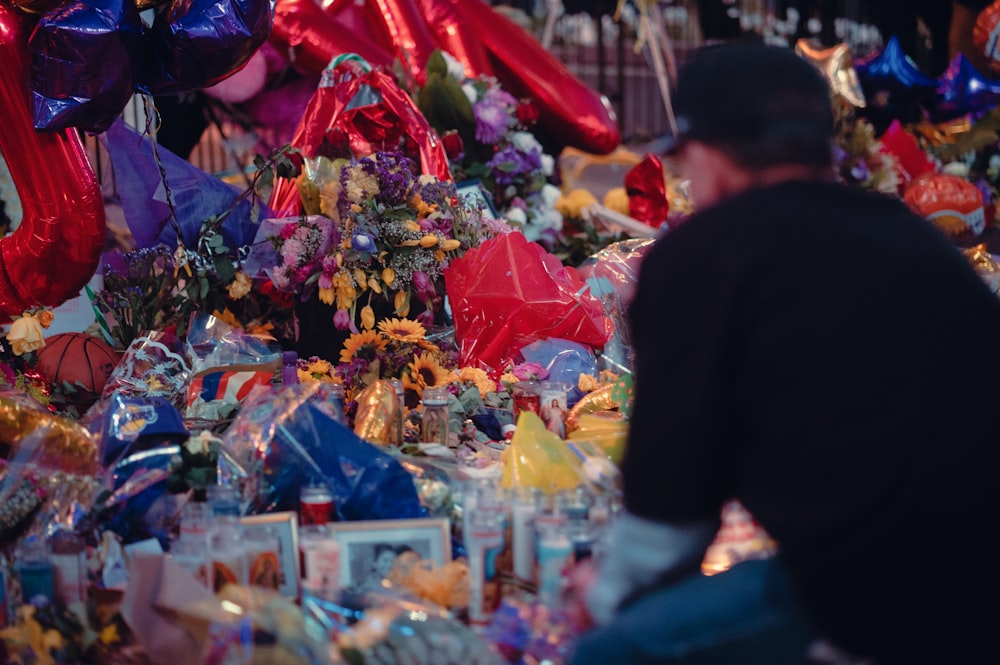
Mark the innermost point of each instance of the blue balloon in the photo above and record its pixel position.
(197, 43)
(963, 90)
(893, 85)
(82, 67)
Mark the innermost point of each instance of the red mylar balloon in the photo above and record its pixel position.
(911, 160)
(455, 36)
(411, 38)
(572, 113)
(950, 202)
(312, 38)
(56, 248)
(358, 18)
(986, 35)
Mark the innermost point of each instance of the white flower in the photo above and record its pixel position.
(956, 168)
(455, 68)
(548, 164)
(470, 92)
(525, 141)
(548, 218)
(550, 194)
(516, 216)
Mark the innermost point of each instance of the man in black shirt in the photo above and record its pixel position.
(824, 356)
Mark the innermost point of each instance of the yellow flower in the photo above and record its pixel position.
(429, 240)
(261, 329)
(509, 378)
(227, 317)
(617, 200)
(319, 366)
(326, 296)
(412, 226)
(587, 383)
(450, 244)
(360, 278)
(388, 276)
(402, 303)
(426, 372)
(25, 335)
(423, 208)
(346, 293)
(374, 285)
(365, 344)
(480, 378)
(570, 205)
(240, 286)
(367, 317)
(403, 330)
(109, 634)
(45, 317)
(305, 376)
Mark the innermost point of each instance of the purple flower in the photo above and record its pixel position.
(860, 171)
(426, 318)
(492, 117)
(528, 371)
(510, 163)
(362, 242)
(423, 284)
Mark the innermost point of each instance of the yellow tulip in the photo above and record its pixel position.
(367, 317)
(401, 301)
(374, 285)
(429, 240)
(388, 276)
(412, 225)
(360, 278)
(326, 296)
(450, 244)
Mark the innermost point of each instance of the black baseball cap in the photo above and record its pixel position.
(748, 94)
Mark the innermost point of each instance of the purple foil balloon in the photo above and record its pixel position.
(197, 43)
(962, 89)
(82, 64)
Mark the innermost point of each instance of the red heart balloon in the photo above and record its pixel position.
(55, 250)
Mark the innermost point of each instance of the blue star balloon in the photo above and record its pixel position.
(894, 86)
(963, 90)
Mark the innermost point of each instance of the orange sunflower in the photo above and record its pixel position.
(365, 345)
(426, 372)
(403, 330)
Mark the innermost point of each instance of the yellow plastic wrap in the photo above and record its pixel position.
(538, 458)
(607, 430)
(46, 440)
(378, 408)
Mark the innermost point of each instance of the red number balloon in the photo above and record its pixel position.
(56, 248)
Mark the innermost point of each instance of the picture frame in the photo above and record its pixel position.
(286, 532)
(473, 194)
(368, 549)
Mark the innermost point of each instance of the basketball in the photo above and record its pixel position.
(83, 361)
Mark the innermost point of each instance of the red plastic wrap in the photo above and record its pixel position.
(509, 292)
(646, 186)
(368, 125)
(56, 248)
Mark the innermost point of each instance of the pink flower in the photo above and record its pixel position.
(303, 273)
(424, 286)
(342, 320)
(288, 230)
(530, 371)
(426, 318)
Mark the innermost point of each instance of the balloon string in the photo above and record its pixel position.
(152, 127)
(650, 34)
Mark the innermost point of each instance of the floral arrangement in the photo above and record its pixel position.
(375, 230)
(17, 355)
(158, 289)
(42, 633)
(487, 134)
(858, 157)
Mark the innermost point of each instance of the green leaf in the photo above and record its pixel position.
(224, 268)
(436, 64)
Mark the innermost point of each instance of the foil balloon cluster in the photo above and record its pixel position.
(986, 35)
(89, 56)
(484, 41)
(54, 251)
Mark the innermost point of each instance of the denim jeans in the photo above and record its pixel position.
(747, 615)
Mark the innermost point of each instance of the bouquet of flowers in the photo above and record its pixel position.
(859, 158)
(487, 134)
(376, 236)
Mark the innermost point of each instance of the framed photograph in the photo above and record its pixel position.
(474, 195)
(273, 544)
(368, 550)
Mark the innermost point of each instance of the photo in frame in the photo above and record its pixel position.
(474, 195)
(368, 550)
(273, 551)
